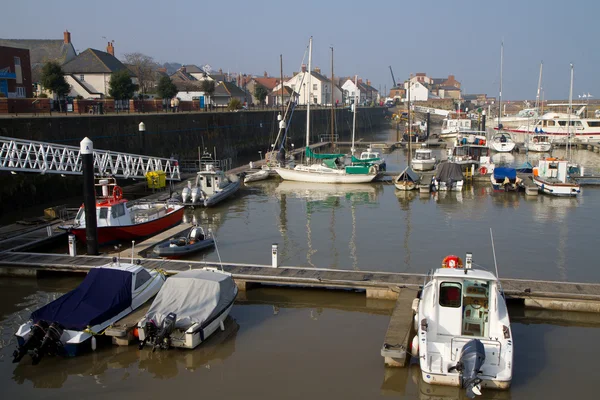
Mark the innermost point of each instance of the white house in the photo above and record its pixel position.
(353, 91)
(418, 91)
(319, 93)
(89, 72)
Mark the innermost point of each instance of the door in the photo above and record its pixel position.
(4, 87)
(450, 308)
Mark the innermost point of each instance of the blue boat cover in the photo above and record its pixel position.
(104, 293)
(501, 173)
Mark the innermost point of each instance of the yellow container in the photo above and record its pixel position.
(156, 179)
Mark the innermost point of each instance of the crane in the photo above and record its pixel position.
(393, 79)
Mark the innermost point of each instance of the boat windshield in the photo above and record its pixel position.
(475, 308)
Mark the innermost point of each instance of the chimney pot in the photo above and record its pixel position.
(303, 67)
(317, 70)
(110, 49)
(67, 37)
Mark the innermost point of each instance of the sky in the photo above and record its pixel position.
(437, 37)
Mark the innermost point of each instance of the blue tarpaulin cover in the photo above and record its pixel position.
(104, 293)
(504, 172)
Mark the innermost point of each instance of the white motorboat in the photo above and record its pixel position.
(189, 308)
(464, 336)
(454, 123)
(423, 160)
(555, 126)
(448, 177)
(502, 142)
(552, 177)
(539, 143)
(259, 175)
(407, 180)
(67, 325)
(370, 157)
(212, 184)
(325, 168)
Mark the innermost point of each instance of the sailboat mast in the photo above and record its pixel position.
(332, 100)
(352, 149)
(570, 111)
(537, 97)
(500, 94)
(309, 92)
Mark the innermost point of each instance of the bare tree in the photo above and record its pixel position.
(144, 67)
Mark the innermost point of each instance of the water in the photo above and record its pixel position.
(297, 343)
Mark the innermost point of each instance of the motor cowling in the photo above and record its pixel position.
(163, 338)
(51, 343)
(36, 336)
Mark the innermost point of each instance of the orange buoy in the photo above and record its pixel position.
(136, 334)
(452, 261)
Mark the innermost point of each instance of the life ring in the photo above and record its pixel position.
(117, 193)
(372, 170)
(452, 261)
(483, 171)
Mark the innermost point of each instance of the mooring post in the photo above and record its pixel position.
(483, 120)
(274, 255)
(89, 196)
(428, 123)
(72, 245)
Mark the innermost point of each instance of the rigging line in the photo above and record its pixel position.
(494, 252)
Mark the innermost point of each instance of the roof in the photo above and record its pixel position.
(41, 50)
(94, 61)
(438, 81)
(460, 274)
(449, 88)
(191, 68)
(267, 82)
(287, 91)
(228, 89)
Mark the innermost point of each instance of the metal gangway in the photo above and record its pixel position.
(430, 110)
(19, 155)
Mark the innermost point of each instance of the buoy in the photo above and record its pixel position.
(483, 171)
(136, 333)
(94, 343)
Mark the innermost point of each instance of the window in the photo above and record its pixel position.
(562, 123)
(118, 210)
(82, 78)
(21, 92)
(450, 294)
(550, 123)
(103, 213)
(141, 277)
(17, 61)
(314, 86)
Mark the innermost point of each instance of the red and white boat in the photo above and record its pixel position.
(119, 220)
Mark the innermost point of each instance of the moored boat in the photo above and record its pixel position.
(212, 184)
(119, 220)
(67, 325)
(502, 142)
(552, 177)
(448, 177)
(539, 143)
(407, 180)
(464, 336)
(190, 307)
(423, 160)
(505, 179)
(193, 242)
(259, 175)
(454, 123)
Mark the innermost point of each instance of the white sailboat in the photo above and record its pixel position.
(327, 168)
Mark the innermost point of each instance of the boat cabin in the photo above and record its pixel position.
(456, 122)
(469, 153)
(552, 169)
(423, 154)
(369, 154)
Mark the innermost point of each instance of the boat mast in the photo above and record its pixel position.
(309, 92)
(500, 94)
(332, 100)
(352, 149)
(537, 97)
(570, 111)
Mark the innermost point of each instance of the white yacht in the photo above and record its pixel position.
(463, 330)
(454, 123)
(502, 142)
(539, 143)
(423, 160)
(212, 184)
(555, 126)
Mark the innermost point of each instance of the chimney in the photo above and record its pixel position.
(221, 71)
(368, 82)
(183, 69)
(110, 49)
(303, 67)
(359, 80)
(317, 70)
(67, 36)
(266, 75)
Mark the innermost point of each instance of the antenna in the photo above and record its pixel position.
(494, 252)
(216, 248)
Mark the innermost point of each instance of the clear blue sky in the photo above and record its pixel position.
(437, 37)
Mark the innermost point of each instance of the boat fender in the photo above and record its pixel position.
(414, 346)
(483, 170)
(416, 322)
(117, 193)
(372, 170)
(93, 343)
(415, 305)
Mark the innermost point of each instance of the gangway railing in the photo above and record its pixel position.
(430, 110)
(18, 155)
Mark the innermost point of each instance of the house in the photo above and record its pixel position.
(43, 50)
(448, 92)
(418, 91)
(274, 97)
(449, 81)
(320, 92)
(15, 73)
(364, 92)
(185, 81)
(225, 91)
(397, 93)
(265, 81)
(89, 73)
(421, 77)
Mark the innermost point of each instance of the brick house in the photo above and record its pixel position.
(269, 83)
(15, 73)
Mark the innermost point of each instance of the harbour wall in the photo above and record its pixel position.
(235, 135)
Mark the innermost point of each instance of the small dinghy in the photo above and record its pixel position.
(257, 176)
(407, 180)
(191, 306)
(67, 325)
(195, 241)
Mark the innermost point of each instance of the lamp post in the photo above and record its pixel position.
(142, 131)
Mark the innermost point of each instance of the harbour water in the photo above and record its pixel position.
(298, 343)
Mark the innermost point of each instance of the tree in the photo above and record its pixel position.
(234, 104)
(208, 87)
(166, 88)
(53, 79)
(144, 67)
(260, 92)
(120, 86)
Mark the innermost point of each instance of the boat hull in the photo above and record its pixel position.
(503, 147)
(539, 147)
(165, 250)
(454, 380)
(423, 165)
(257, 176)
(193, 339)
(557, 189)
(323, 177)
(108, 234)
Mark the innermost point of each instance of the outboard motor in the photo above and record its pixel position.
(472, 358)
(163, 339)
(196, 195)
(36, 336)
(150, 331)
(186, 193)
(51, 343)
